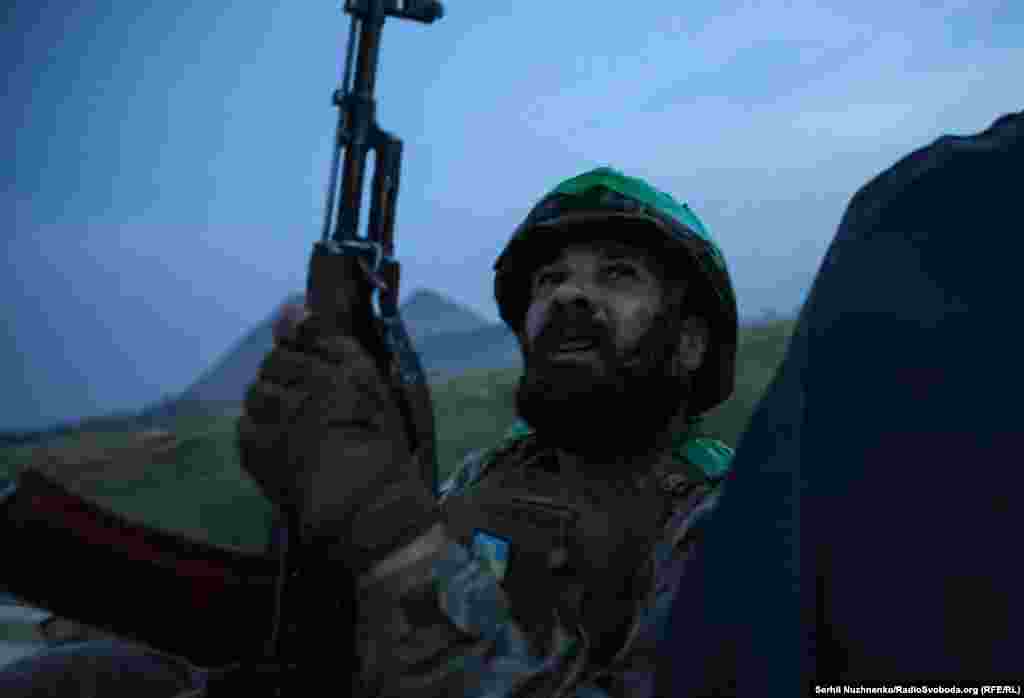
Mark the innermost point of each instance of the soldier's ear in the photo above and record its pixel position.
(523, 345)
(694, 339)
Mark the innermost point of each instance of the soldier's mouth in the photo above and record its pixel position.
(575, 347)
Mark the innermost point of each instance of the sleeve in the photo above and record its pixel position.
(439, 624)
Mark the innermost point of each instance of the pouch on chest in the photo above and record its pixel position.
(550, 546)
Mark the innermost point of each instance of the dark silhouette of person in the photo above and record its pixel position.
(871, 528)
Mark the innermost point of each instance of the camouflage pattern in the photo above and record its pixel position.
(445, 628)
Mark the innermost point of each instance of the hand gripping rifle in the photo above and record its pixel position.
(141, 583)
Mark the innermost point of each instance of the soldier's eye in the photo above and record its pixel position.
(548, 277)
(621, 271)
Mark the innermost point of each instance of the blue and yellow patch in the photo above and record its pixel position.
(492, 551)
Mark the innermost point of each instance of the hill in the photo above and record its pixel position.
(229, 375)
(449, 338)
(427, 314)
(453, 353)
(189, 479)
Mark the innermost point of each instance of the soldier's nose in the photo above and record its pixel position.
(573, 294)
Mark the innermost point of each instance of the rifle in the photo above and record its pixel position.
(184, 577)
(345, 270)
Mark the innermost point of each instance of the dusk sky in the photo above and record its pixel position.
(170, 159)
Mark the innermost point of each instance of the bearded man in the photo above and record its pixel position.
(548, 564)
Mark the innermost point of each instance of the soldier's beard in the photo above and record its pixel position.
(609, 409)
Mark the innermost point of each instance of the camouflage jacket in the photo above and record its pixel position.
(442, 626)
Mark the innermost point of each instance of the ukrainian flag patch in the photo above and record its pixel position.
(492, 551)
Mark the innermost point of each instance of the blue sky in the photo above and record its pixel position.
(170, 159)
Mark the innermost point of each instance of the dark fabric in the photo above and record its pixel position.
(574, 544)
(97, 669)
(871, 529)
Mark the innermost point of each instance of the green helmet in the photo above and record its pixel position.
(649, 218)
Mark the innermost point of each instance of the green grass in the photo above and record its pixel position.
(760, 352)
(19, 632)
(471, 412)
(200, 489)
(204, 493)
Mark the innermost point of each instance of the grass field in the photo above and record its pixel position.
(193, 483)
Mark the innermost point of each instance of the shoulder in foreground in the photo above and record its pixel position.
(476, 463)
(890, 188)
(713, 456)
(703, 457)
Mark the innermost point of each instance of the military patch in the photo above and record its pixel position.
(492, 551)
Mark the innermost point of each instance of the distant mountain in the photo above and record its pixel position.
(449, 337)
(488, 347)
(427, 313)
(229, 376)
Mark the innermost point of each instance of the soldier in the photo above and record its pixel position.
(549, 562)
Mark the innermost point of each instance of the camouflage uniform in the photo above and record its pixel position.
(458, 631)
(551, 582)
(548, 582)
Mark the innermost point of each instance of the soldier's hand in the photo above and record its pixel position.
(321, 434)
